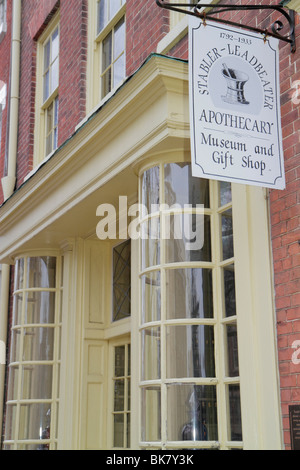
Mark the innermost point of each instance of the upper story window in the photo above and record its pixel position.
(107, 46)
(111, 44)
(2, 104)
(47, 100)
(50, 90)
(2, 19)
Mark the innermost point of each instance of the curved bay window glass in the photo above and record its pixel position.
(33, 380)
(190, 389)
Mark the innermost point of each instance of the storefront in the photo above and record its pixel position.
(142, 343)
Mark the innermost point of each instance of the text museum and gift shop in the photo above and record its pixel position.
(149, 225)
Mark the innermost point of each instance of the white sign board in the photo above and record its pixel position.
(235, 105)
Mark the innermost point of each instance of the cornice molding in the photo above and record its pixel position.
(141, 115)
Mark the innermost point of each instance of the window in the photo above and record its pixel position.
(50, 89)
(121, 281)
(107, 48)
(2, 19)
(32, 401)
(2, 104)
(120, 415)
(111, 44)
(47, 100)
(190, 385)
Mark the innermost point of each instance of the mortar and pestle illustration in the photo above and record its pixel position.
(236, 81)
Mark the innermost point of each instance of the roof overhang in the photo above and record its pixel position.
(147, 116)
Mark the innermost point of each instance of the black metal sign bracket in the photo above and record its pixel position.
(208, 11)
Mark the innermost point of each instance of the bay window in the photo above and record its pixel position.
(33, 380)
(190, 385)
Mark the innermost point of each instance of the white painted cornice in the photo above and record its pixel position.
(144, 115)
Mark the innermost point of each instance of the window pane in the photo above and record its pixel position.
(179, 248)
(106, 52)
(119, 430)
(196, 355)
(229, 291)
(40, 307)
(232, 363)
(225, 193)
(56, 105)
(38, 344)
(119, 361)
(189, 293)
(119, 70)
(17, 309)
(150, 190)
(36, 382)
(150, 234)
(119, 391)
(151, 350)
(47, 56)
(19, 274)
(151, 414)
(106, 83)
(41, 272)
(122, 281)
(54, 75)
(49, 122)
(192, 413)
(35, 421)
(55, 45)
(46, 85)
(10, 420)
(227, 235)
(13, 383)
(181, 188)
(102, 9)
(151, 299)
(235, 413)
(114, 6)
(119, 38)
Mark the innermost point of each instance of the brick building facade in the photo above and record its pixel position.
(103, 113)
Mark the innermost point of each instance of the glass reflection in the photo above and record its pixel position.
(227, 235)
(150, 189)
(225, 193)
(232, 366)
(151, 299)
(41, 272)
(196, 355)
(229, 291)
(189, 293)
(182, 188)
(151, 350)
(180, 248)
(192, 413)
(151, 416)
(235, 413)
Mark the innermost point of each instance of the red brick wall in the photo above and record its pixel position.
(146, 25)
(285, 220)
(36, 15)
(5, 47)
(284, 214)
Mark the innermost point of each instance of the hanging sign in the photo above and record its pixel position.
(235, 105)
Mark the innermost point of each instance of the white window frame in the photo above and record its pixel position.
(21, 329)
(94, 65)
(43, 103)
